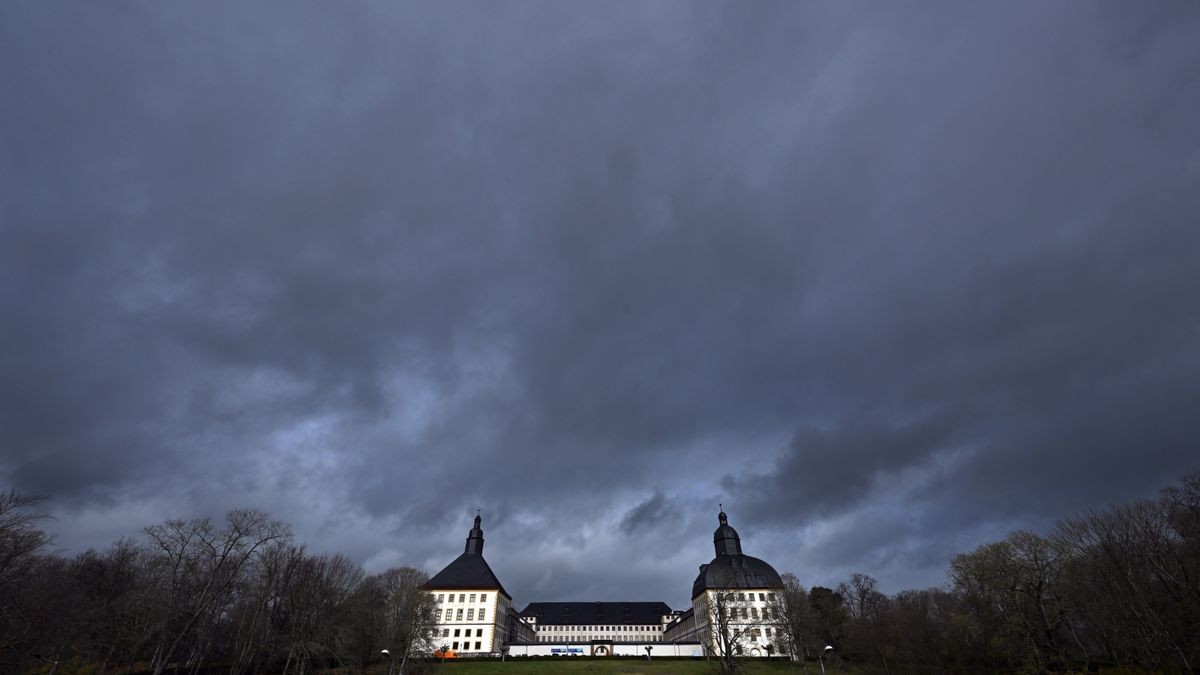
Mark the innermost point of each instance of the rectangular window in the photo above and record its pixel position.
(481, 614)
(754, 612)
(455, 646)
(760, 597)
(472, 598)
(478, 646)
(445, 632)
(771, 597)
(441, 597)
(458, 614)
(741, 596)
(478, 632)
(462, 597)
(457, 632)
(471, 614)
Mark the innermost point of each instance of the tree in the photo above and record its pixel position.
(197, 563)
(409, 621)
(733, 620)
(827, 615)
(791, 618)
(20, 539)
(20, 542)
(868, 610)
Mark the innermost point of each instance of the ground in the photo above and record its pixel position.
(616, 666)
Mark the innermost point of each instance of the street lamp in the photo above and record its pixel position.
(391, 659)
(824, 653)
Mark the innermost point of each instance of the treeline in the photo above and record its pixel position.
(1114, 588)
(196, 596)
(1119, 587)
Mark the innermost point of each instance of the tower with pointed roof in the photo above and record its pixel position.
(474, 613)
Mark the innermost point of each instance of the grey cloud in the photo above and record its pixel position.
(369, 266)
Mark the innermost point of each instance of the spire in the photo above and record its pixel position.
(475, 538)
(726, 539)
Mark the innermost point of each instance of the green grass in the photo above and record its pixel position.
(569, 665)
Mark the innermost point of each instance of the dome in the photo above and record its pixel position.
(732, 568)
(735, 571)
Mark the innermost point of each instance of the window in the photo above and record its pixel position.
(477, 646)
(741, 596)
(481, 613)
(472, 598)
(754, 612)
(457, 632)
(478, 632)
(458, 614)
(471, 614)
(761, 597)
(771, 597)
(445, 632)
(766, 612)
(462, 597)
(455, 646)
(441, 597)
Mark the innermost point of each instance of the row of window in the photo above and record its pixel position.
(621, 629)
(466, 632)
(762, 597)
(751, 613)
(467, 645)
(442, 617)
(757, 633)
(741, 612)
(462, 597)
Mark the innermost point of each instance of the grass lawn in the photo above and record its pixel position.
(621, 666)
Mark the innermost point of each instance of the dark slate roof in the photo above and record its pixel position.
(736, 571)
(597, 613)
(468, 571)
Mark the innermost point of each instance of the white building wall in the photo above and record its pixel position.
(562, 649)
(459, 626)
(761, 607)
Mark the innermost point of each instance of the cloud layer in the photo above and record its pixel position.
(887, 281)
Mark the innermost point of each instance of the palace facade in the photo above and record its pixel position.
(734, 608)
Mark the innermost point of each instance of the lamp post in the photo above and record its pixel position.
(391, 660)
(825, 652)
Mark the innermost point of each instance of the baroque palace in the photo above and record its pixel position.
(734, 607)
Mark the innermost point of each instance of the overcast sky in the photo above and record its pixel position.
(887, 279)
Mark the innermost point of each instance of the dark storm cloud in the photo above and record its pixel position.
(885, 280)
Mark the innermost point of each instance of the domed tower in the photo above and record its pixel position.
(740, 587)
(731, 568)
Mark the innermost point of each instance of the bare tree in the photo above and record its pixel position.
(199, 563)
(20, 538)
(408, 614)
(733, 621)
(315, 597)
(868, 609)
(790, 617)
(20, 542)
